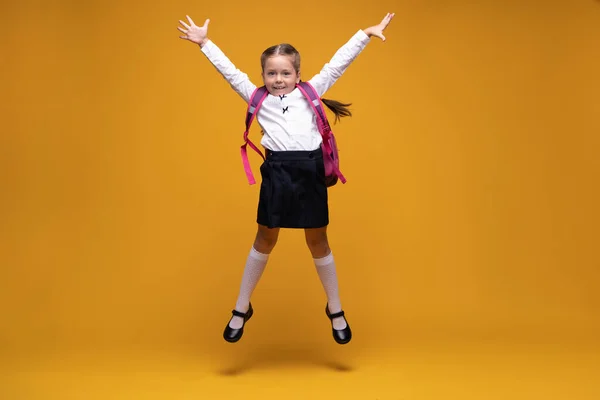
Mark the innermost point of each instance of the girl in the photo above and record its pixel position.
(293, 192)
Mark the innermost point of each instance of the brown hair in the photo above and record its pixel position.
(339, 109)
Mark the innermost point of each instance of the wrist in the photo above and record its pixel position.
(368, 32)
(203, 42)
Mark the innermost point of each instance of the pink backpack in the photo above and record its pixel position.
(330, 152)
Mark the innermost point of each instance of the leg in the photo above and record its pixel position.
(255, 265)
(317, 242)
(266, 239)
(316, 239)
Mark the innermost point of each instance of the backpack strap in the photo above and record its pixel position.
(256, 100)
(322, 123)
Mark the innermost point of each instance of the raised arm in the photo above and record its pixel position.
(342, 59)
(238, 80)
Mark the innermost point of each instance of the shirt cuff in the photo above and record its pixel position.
(362, 36)
(208, 46)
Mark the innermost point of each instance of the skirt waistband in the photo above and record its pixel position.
(294, 155)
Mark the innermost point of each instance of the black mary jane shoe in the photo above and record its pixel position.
(341, 336)
(233, 335)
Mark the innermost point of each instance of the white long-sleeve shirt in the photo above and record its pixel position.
(296, 127)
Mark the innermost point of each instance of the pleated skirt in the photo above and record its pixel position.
(293, 193)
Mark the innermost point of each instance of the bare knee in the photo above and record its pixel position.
(317, 242)
(266, 239)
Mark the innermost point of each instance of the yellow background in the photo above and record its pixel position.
(470, 215)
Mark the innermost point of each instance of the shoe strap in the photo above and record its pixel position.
(238, 313)
(336, 315)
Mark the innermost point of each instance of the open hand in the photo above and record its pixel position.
(194, 33)
(377, 30)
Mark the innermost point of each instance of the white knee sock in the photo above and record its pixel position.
(327, 273)
(255, 265)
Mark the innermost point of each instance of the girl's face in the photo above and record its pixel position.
(279, 75)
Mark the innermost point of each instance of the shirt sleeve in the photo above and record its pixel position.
(341, 60)
(238, 80)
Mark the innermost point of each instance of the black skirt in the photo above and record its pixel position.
(293, 193)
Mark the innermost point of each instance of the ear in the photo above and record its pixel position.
(298, 77)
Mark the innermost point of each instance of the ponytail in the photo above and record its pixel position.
(339, 109)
